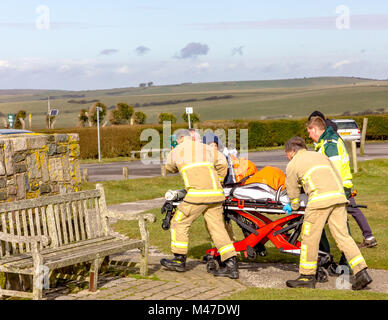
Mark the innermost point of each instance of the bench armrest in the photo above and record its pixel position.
(30, 239)
(130, 216)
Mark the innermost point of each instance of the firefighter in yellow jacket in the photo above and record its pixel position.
(202, 168)
(326, 202)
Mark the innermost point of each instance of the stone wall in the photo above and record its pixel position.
(34, 165)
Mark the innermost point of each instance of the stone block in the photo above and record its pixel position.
(19, 156)
(2, 167)
(20, 168)
(36, 142)
(45, 188)
(21, 186)
(61, 149)
(73, 138)
(60, 137)
(19, 144)
(34, 185)
(66, 168)
(32, 165)
(12, 190)
(52, 149)
(8, 158)
(3, 195)
(3, 183)
(44, 166)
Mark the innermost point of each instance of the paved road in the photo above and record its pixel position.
(137, 169)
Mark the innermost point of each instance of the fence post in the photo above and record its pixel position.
(86, 175)
(363, 136)
(125, 173)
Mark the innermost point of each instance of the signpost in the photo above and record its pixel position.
(98, 109)
(189, 111)
(11, 120)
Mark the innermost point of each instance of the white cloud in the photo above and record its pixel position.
(203, 66)
(340, 64)
(4, 64)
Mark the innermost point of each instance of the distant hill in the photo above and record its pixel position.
(213, 101)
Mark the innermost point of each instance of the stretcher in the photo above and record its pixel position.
(250, 207)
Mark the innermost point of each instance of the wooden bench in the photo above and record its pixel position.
(40, 235)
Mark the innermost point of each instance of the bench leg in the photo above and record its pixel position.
(94, 274)
(144, 261)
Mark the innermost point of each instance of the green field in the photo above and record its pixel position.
(247, 99)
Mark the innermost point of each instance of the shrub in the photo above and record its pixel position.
(164, 116)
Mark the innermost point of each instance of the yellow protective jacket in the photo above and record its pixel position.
(331, 145)
(319, 178)
(202, 168)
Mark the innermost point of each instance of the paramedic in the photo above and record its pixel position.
(329, 123)
(331, 145)
(200, 167)
(327, 202)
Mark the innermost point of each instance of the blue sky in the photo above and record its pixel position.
(78, 45)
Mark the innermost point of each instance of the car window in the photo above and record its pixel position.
(347, 125)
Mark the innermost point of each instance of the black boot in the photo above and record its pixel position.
(304, 281)
(229, 268)
(178, 263)
(362, 280)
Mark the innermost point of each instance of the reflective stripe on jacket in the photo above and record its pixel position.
(202, 168)
(331, 145)
(319, 178)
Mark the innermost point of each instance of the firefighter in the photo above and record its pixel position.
(213, 141)
(326, 203)
(201, 168)
(330, 144)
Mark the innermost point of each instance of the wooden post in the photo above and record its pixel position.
(125, 173)
(86, 175)
(163, 170)
(352, 151)
(363, 136)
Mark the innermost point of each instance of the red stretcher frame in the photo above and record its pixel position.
(267, 228)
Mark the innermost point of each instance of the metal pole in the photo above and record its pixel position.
(189, 121)
(98, 133)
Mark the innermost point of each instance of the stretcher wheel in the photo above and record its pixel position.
(211, 266)
(322, 275)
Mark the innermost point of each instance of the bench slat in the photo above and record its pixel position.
(75, 220)
(85, 253)
(87, 220)
(81, 220)
(12, 229)
(57, 224)
(18, 230)
(25, 229)
(31, 222)
(38, 225)
(63, 228)
(45, 201)
(69, 218)
(4, 225)
(53, 251)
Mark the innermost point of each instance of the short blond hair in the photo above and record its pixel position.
(316, 122)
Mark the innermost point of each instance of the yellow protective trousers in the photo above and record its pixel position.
(314, 222)
(186, 214)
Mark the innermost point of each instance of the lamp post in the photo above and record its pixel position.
(98, 109)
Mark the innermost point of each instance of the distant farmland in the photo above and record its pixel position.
(213, 101)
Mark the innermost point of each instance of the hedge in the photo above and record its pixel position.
(119, 141)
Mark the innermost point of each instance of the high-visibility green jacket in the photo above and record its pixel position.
(202, 169)
(331, 145)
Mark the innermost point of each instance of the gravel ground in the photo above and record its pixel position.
(267, 275)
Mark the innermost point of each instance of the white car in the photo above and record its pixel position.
(348, 130)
